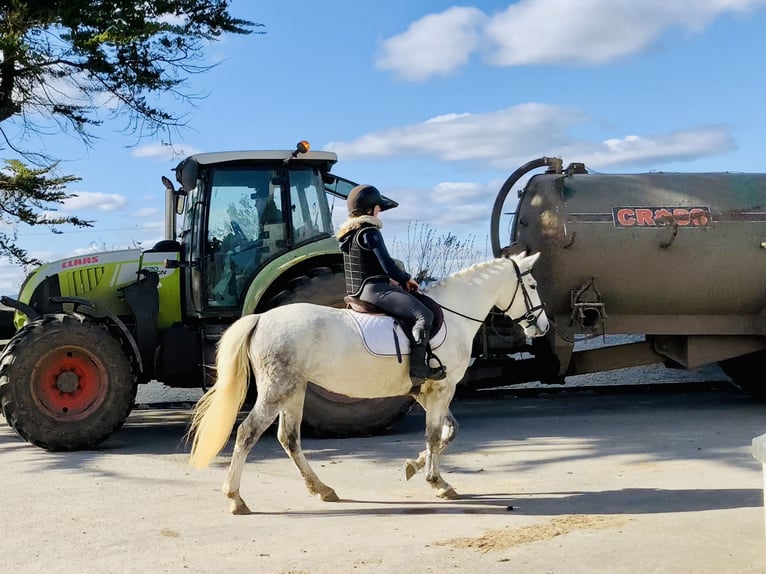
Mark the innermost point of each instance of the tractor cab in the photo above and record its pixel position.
(244, 210)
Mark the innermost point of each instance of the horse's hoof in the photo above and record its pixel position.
(448, 493)
(410, 469)
(239, 508)
(329, 496)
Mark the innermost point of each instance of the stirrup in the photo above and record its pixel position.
(420, 366)
(431, 374)
(441, 369)
(437, 373)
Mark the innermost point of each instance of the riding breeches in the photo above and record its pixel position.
(397, 302)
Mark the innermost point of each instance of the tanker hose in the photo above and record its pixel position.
(497, 209)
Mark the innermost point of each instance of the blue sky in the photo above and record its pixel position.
(437, 103)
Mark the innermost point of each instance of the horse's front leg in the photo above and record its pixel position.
(448, 434)
(436, 403)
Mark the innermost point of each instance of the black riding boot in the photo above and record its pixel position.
(419, 367)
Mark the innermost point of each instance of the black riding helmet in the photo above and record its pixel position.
(363, 198)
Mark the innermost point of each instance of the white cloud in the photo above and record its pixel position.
(164, 152)
(463, 208)
(94, 200)
(11, 277)
(436, 44)
(592, 32)
(8, 225)
(169, 18)
(551, 32)
(494, 138)
(508, 138)
(147, 212)
(157, 224)
(458, 192)
(681, 145)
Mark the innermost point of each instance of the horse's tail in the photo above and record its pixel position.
(216, 412)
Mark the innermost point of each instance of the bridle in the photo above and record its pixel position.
(533, 311)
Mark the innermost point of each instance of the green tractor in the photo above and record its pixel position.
(255, 232)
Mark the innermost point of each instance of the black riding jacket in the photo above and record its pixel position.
(365, 259)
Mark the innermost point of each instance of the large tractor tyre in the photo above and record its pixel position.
(65, 383)
(327, 414)
(745, 373)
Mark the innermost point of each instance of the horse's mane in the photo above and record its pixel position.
(476, 273)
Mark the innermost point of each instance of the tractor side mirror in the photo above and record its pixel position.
(186, 174)
(180, 203)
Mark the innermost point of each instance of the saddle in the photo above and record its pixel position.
(378, 346)
(356, 304)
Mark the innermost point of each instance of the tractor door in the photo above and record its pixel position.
(310, 216)
(336, 191)
(246, 227)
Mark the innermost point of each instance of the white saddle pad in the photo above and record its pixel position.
(380, 333)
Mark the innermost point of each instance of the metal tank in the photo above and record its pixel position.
(679, 258)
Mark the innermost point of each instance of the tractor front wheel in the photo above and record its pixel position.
(327, 414)
(65, 383)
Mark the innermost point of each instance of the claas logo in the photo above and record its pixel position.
(79, 261)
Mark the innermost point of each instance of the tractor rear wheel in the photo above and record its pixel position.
(327, 414)
(65, 383)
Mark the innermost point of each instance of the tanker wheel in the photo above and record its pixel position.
(327, 414)
(745, 373)
(65, 383)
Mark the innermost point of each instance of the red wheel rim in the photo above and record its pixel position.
(69, 383)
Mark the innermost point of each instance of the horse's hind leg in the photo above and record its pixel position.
(449, 432)
(255, 424)
(289, 435)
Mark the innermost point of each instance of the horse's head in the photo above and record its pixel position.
(525, 307)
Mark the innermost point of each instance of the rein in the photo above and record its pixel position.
(533, 311)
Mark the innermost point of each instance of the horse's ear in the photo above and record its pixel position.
(509, 254)
(513, 251)
(532, 259)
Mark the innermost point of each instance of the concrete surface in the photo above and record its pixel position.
(618, 481)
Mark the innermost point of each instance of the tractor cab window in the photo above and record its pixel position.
(245, 229)
(309, 212)
(337, 190)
